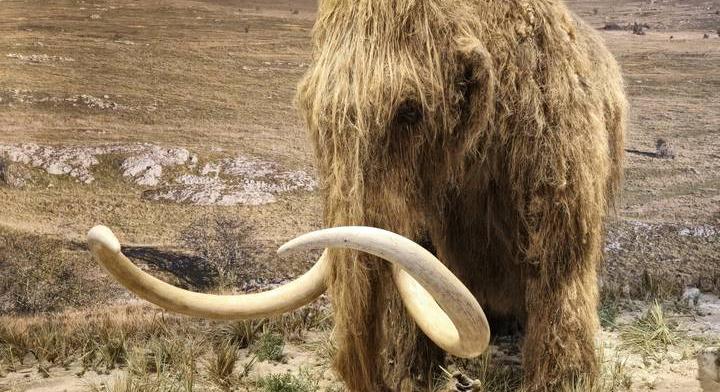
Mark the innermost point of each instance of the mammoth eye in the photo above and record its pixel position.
(409, 113)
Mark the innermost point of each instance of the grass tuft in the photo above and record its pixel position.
(295, 324)
(286, 382)
(222, 364)
(240, 333)
(608, 312)
(650, 335)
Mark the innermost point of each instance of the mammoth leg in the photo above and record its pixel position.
(561, 294)
(559, 352)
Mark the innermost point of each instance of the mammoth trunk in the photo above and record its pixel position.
(376, 339)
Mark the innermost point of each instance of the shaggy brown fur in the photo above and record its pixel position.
(492, 128)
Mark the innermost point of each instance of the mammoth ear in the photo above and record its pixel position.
(476, 79)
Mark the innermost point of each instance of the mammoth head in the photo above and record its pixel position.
(395, 88)
(441, 305)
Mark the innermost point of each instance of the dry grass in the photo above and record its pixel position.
(223, 243)
(130, 383)
(296, 324)
(650, 335)
(157, 352)
(222, 364)
(98, 339)
(162, 353)
(614, 377)
(659, 287)
(162, 364)
(39, 274)
(160, 68)
(240, 333)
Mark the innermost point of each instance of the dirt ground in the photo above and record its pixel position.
(146, 116)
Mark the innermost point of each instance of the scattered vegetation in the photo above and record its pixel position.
(98, 340)
(239, 333)
(166, 353)
(614, 377)
(159, 352)
(639, 28)
(651, 286)
(37, 275)
(309, 318)
(303, 382)
(659, 287)
(650, 335)
(270, 347)
(222, 364)
(222, 242)
(608, 309)
(613, 26)
(635, 27)
(128, 382)
(3, 171)
(663, 149)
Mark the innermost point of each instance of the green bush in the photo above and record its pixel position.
(288, 383)
(270, 347)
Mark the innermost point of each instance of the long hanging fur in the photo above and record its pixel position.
(492, 130)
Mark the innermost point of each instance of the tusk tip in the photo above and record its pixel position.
(285, 250)
(295, 245)
(101, 236)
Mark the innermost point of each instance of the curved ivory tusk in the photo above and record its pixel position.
(456, 322)
(106, 249)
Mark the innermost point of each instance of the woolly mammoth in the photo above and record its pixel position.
(489, 132)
